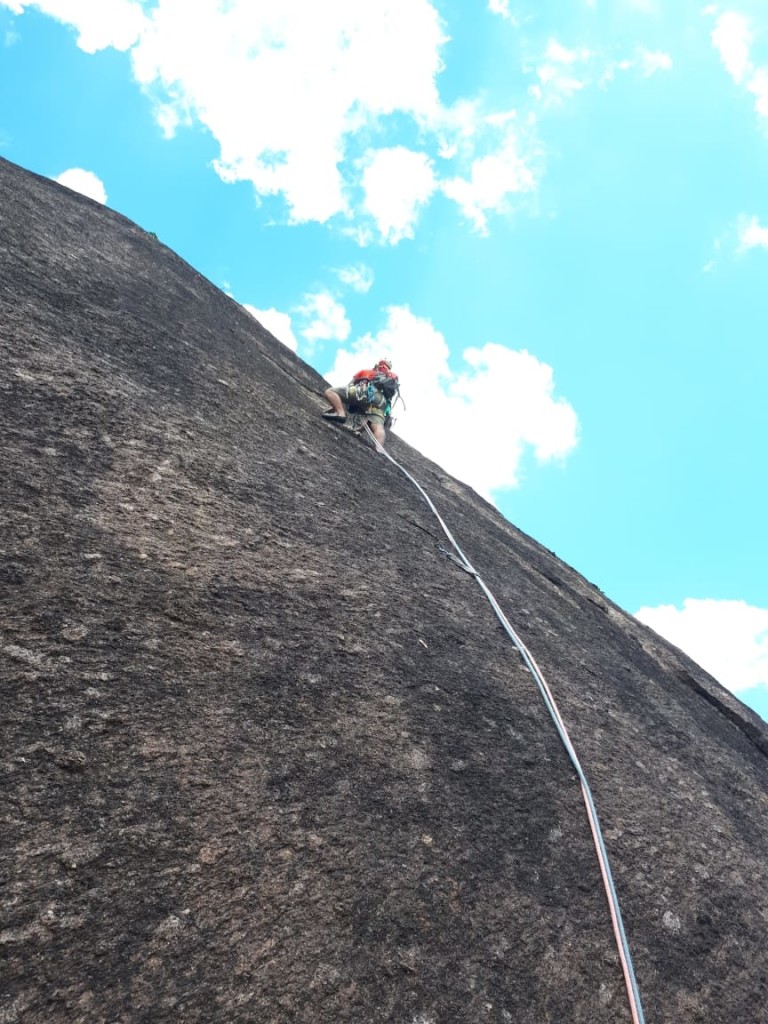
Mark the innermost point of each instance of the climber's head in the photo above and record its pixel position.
(383, 365)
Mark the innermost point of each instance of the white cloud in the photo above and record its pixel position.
(501, 7)
(115, 23)
(727, 638)
(276, 323)
(326, 318)
(396, 181)
(492, 181)
(307, 102)
(651, 61)
(458, 129)
(559, 54)
(647, 62)
(562, 73)
(758, 86)
(752, 235)
(456, 417)
(744, 233)
(565, 71)
(85, 182)
(732, 38)
(286, 87)
(358, 277)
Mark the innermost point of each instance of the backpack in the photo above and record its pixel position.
(386, 384)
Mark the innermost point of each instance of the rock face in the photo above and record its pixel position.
(268, 755)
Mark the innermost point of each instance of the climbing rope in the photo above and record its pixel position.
(594, 823)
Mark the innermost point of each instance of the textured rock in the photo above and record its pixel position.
(267, 754)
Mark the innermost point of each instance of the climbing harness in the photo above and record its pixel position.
(461, 560)
(360, 395)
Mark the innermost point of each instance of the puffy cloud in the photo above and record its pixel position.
(307, 102)
(286, 87)
(396, 182)
(115, 23)
(358, 277)
(85, 182)
(727, 638)
(276, 323)
(478, 421)
(732, 37)
(492, 181)
(326, 318)
(744, 233)
(752, 235)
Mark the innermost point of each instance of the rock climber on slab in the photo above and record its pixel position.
(370, 394)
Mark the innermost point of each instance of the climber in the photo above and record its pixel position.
(369, 393)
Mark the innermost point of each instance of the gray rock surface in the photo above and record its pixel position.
(268, 755)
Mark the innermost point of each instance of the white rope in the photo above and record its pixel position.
(625, 956)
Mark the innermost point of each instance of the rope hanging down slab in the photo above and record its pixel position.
(461, 559)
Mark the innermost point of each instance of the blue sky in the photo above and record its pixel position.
(552, 215)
